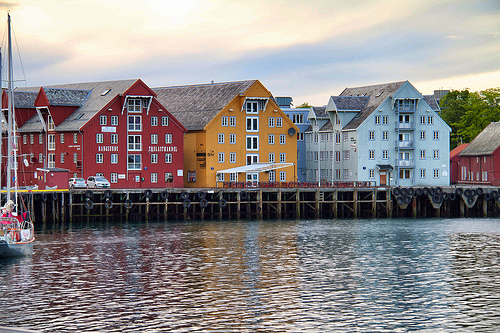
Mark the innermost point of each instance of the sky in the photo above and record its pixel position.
(306, 49)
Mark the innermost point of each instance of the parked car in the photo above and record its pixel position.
(77, 183)
(97, 182)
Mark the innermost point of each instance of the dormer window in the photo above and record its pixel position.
(252, 107)
(134, 105)
(50, 124)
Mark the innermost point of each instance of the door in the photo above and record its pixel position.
(383, 178)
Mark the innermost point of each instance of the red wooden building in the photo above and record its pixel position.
(454, 163)
(479, 162)
(114, 128)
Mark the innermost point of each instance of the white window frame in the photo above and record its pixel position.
(168, 158)
(220, 157)
(252, 142)
(99, 138)
(221, 138)
(232, 139)
(270, 139)
(282, 139)
(99, 158)
(252, 124)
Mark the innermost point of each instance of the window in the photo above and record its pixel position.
(134, 142)
(154, 177)
(221, 157)
(430, 120)
(62, 157)
(252, 124)
(435, 173)
(385, 154)
(282, 176)
(168, 138)
(75, 137)
(114, 138)
(346, 154)
(385, 120)
(282, 139)
(422, 154)
(346, 136)
(154, 121)
(40, 138)
(75, 157)
(422, 173)
(114, 158)
(271, 139)
(232, 157)
(422, 135)
(315, 155)
(345, 173)
(220, 177)
(134, 123)
(232, 121)
(272, 176)
(252, 107)
(252, 142)
(371, 154)
(385, 135)
(221, 138)
(279, 122)
(98, 158)
(32, 138)
(168, 158)
(40, 158)
(270, 122)
(422, 122)
(52, 161)
(436, 135)
(372, 173)
(232, 139)
(484, 176)
(25, 139)
(337, 156)
(405, 104)
(52, 141)
(164, 121)
(282, 157)
(134, 162)
(436, 154)
(298, 118)
(61, 137)
(99, 138)
(315, 137)
(114, 177)
(103, 120)
(404, 174)
(224, 121)
(371, 135)
(134, 105)
(300, 136)
(154, 158)
(50, 124)
(114, 120)
(377, 120)
(271, 158)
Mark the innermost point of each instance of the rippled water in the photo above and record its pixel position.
(258, 276)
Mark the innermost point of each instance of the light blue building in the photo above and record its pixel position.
(299, 118)
(389, 134)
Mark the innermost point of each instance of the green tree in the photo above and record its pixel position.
(304, 105)
(469, 113)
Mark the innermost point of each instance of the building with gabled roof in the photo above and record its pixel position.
(389, 134)
(236, 133)
(454, 163)
(117, 129)
(479, 161)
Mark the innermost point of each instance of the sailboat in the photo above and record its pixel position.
(16, 227)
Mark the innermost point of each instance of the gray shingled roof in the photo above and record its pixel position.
(195, 105)
(25, 99)
(320, 111)
(377, 95)
(94, 102)
(431, 100)
(68, 97)
(485, 143)
(350, 103)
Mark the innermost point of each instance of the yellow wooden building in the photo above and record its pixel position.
(236, 133)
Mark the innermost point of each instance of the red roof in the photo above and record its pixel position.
(457, 150)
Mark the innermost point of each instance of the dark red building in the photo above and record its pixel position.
(114, 128)
(479, 162)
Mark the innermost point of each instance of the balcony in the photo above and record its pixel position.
(406, 144)
(406, 163)
(405, 125)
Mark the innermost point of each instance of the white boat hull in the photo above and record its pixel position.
(8, 250)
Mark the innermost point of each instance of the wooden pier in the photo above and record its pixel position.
(261, 203)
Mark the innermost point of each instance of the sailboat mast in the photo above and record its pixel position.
(10, 122)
